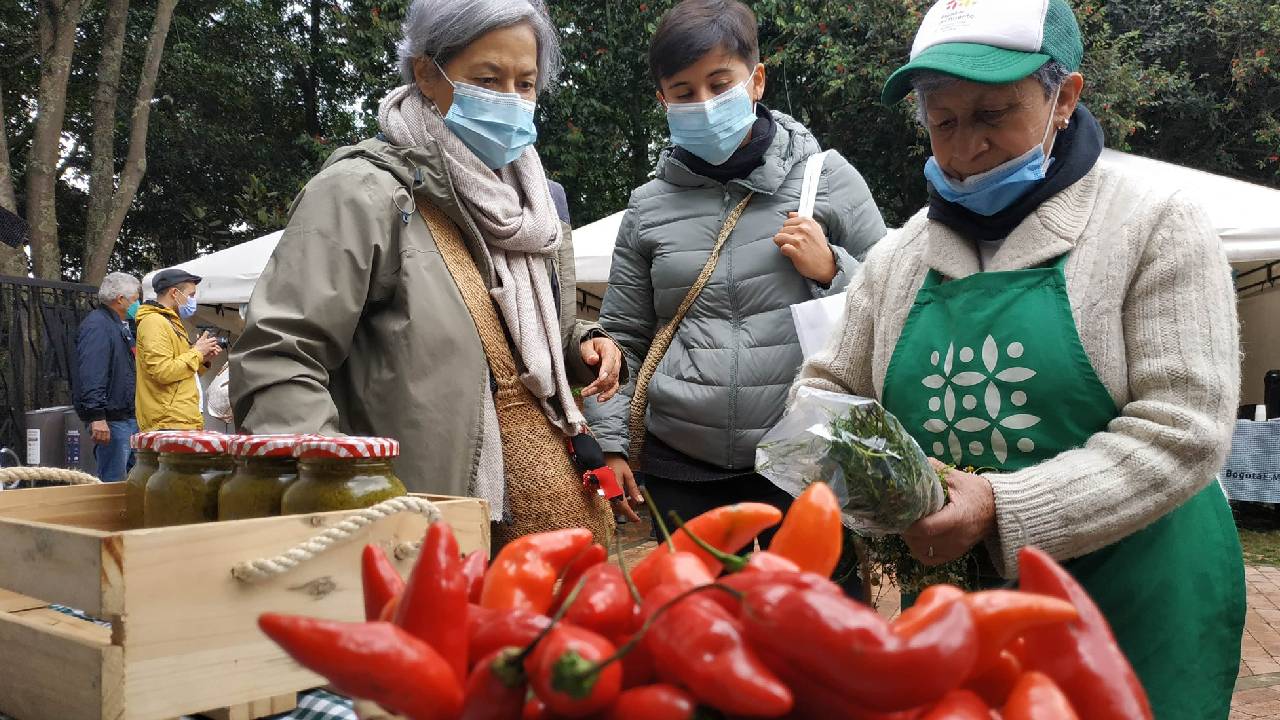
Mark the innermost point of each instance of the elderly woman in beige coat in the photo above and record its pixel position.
(423, 289)
(1069, 330)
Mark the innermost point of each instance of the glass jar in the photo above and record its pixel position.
(184, 490)
(265, 468)
(345, 473)
(146, 462)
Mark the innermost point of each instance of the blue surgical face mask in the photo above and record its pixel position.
(132, 312)
(998, 188)
(714, 129)
(188, 308)
(496, 126)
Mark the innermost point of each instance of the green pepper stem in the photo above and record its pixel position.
(626, 573)
(555, 620)
(731, 562)
(626, 647)
(657, 517)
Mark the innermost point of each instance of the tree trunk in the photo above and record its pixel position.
(8, 199)
(135, 164)
(57, 21)
(102, 148)
(13, 261)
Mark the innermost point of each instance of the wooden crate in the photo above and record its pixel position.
(183, 636)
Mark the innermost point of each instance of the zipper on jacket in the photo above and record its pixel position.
(735, 324)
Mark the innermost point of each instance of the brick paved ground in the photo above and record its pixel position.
(1257, 692)
(1258, 688)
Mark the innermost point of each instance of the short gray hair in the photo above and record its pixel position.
(1051, 76)
(118, 285)
(440, 29)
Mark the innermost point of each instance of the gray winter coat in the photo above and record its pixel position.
(358, 327)
(723, 382)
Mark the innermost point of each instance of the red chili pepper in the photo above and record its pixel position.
(473, 568)
(568, 674)
(637, 664)
(496, 689)
(592, 555)
(761, 561)
(849, 648)
(1082, 657)
(700, 645)
(1003, 615)
(727, 528)
(380, 579)
(494, 630)
(744, 583)
(524, 573)
(1037, 697)
(679, 571)
(375, 661)
(433, 607)
(653, 702)
(536, 709)
(811, 534)
(927, 603)
(389, 610)
(959, 705)
(995, 684)
(604, 604)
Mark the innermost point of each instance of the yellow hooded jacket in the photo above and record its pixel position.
(167, 397)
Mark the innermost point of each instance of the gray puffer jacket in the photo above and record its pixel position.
(723, 382)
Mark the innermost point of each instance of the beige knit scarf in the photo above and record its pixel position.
(516, 216)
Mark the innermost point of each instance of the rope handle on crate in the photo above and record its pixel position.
(46, 474)
(263, 568)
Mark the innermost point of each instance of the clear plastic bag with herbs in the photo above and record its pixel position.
(881, 476)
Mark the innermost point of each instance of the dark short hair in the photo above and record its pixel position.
(694, 28)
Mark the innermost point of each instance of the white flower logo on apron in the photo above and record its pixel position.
(959, 378)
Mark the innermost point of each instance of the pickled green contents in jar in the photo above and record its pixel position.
(145, 464)
(184, 490)
(346, 473)
(265, 468)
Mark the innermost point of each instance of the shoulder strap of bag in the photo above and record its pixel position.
(662, 340)
(812, 177)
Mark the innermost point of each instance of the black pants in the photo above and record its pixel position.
(691, 499)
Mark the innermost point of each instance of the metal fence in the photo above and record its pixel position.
(38, 324)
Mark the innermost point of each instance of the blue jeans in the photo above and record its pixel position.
(115, 459)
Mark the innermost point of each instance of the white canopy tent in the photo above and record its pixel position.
(1247, 218)
(229, 275)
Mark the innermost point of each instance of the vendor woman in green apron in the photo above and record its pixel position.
(1071, 330)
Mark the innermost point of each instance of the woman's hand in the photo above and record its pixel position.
(631, 497)
(802, 241)
(962, 523)
(604, 353)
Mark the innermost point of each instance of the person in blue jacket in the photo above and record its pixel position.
(105, 375)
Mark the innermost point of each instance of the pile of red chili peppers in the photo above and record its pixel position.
(552, 630)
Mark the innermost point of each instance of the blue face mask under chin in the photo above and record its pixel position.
(998, 188)
(496, 126)
(714, 129)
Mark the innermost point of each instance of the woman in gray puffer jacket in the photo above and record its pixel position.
(723, 382)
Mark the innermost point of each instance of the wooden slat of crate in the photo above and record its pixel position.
(63, 667)
(190, 631)
(62, 564)
(88, 507)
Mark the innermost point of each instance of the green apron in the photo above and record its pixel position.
(989, 372)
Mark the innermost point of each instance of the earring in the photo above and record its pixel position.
(1064, 124)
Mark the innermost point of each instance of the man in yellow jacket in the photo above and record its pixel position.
(169, 366)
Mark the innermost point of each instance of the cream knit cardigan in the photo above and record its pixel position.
(1154, 303)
